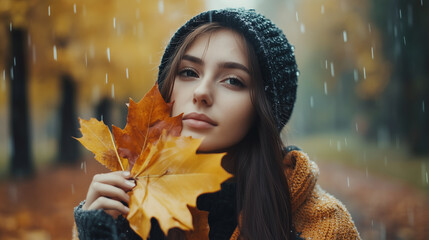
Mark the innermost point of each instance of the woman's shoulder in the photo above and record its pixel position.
(316, 213)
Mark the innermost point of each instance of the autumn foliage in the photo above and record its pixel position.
(169, 174)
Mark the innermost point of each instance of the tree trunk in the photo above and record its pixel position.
(22, 164)
(68, 147)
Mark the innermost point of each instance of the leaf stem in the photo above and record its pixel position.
(116, 152)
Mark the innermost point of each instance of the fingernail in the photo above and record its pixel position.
(126, 208)
(126, 173)
(130, 183)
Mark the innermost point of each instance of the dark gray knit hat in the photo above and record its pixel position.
(275, 55)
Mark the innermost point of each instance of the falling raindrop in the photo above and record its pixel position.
(311, 102)
(348, 182)
(338, 146)
(86, 59)
(326, 87)
(114, 22)
(355, 75)
(106, 78)
(322, 9)
(421, 2)
(345, 36)
(345, 141)
(126, 71)
(372, 53)
(357, 127)
(326, 64)
(74, 8)
(10, 26)
(3, 83)
(137, 13)
(49, 10)
(369, 27)
(113, 90)
(423, 106)
(72, 188)
(161, 6)
(14, 61)
(364, 73)
(332, 70)
(108, 54)
(296, 16)
(405, 41)
(302, 28)
(55, 53)
(29, 40)
(400, 13)
(11, 73)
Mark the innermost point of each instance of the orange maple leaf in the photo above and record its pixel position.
(145, 122)
(168, 172)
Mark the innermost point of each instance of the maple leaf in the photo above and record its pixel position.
(97, 138)
(170, 175)
(145, 122)
(169, 181)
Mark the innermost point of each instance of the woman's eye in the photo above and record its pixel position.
(234, 82)
(188, 73)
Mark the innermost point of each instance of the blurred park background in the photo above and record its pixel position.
(362, 111)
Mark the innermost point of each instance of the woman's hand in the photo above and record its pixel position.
(108, 191)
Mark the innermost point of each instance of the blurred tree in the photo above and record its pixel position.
(21, 158)
(68, 147)
(403, 26)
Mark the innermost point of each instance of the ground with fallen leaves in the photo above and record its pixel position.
(42, 207)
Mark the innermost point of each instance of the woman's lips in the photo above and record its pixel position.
(198, 121)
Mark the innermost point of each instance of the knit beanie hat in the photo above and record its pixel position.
(276, 56)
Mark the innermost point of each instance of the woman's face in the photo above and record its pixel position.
(212, 89)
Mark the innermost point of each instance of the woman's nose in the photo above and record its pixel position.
(203, 93)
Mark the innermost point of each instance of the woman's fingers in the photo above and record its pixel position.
(110, 191)
(113, 185)
(119, 179)
(109, 204)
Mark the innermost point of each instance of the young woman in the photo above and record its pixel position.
(233, 74)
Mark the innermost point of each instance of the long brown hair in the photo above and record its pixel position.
(263, 198)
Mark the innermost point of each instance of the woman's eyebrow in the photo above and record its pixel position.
(193, 59)
(222, 65)
(235, 65)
